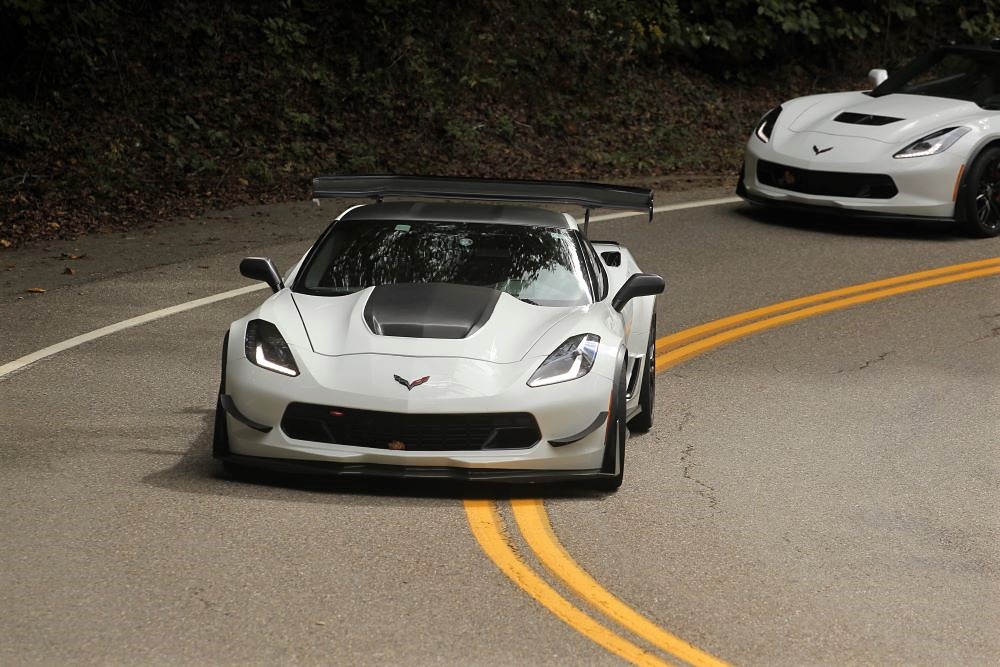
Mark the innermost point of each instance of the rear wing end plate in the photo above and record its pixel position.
(575, 193)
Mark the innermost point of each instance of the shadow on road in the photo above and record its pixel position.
(197, 472)
(914, 230)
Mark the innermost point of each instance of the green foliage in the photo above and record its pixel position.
(131, 102)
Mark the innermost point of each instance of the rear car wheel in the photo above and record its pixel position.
(979, 200)
(643, 421)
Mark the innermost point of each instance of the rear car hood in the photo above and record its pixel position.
(339, 325)
(891, 119)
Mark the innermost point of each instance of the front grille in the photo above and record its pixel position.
(828, 183)
(412, 432)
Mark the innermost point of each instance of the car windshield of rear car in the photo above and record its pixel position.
(972, 76)
(539, 265)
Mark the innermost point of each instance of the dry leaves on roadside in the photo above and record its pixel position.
(35, 290)
(69, 271)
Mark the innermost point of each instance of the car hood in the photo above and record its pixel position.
(339, 325)
(903, 118)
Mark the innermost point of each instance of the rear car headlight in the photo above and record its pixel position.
(571, 360)
(765, 126)
(935, 143)
(266, 348)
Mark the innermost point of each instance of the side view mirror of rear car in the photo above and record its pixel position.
(638, 284)
(263, 269)
(877, 76)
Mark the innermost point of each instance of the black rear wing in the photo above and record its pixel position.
(575, 193)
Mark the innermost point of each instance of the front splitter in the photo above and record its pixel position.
(327, 468)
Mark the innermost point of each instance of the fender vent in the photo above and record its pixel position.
(865, 119)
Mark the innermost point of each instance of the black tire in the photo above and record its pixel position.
(978, 203)
(220, 434)
(643, 421)
(615, 435)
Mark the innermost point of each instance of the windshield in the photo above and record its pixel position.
(973, 76)
(539, 265)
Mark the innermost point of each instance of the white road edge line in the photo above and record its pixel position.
(666, 208)
(21, 362)
(70, 343)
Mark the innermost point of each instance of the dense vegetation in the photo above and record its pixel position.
(114, 111)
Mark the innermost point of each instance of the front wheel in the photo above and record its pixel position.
(615, 435)
(643, 421)
(220, 432)
(979, 201)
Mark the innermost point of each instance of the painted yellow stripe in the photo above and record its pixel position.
(537, 531)
(685, 352)
(487, 525)
(703, 330)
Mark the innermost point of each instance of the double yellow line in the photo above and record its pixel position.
(533, 522)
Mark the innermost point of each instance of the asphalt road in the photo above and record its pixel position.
(826, 492)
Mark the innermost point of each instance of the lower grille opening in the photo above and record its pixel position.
(827, 183)
(410, 432)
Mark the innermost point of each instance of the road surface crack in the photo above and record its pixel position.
(994, 331)
(704, 490)
(881, 357)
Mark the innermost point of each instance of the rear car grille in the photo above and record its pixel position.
(412, 432)
(828, 183)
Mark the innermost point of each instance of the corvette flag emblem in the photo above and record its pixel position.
(410, 385)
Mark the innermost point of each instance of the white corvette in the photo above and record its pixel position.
(925, 143)
(446, 340)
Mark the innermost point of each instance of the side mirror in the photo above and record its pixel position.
(263, 269)
(638, 284)
(877, 76)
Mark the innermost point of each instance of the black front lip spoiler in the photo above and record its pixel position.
(741, 191)
(497, 475)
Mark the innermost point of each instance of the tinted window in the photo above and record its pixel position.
(539, 265)
(973, 76)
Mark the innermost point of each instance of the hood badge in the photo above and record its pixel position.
(818, 150)
(410, 385)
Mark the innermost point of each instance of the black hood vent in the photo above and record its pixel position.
(429, 310)
(865, 119)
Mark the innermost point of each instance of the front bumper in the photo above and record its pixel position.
(924, 187)
(571, 442)
(793, 204)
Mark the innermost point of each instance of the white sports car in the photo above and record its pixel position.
(446, 340)
(925, 143)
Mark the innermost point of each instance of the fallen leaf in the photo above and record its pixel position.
(69, 272)
(54, 225)
(67, 255)
(35, 290)
(5, 243)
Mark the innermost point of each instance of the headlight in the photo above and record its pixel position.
(935, 143)
(266, 348)
(765, 126)
(571, 360)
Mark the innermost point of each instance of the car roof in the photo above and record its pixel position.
(461, 212)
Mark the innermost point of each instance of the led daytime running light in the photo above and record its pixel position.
(265, 347)
(571, 360)
(934, 143)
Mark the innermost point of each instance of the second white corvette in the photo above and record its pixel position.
(452, 340)
(925, 143)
